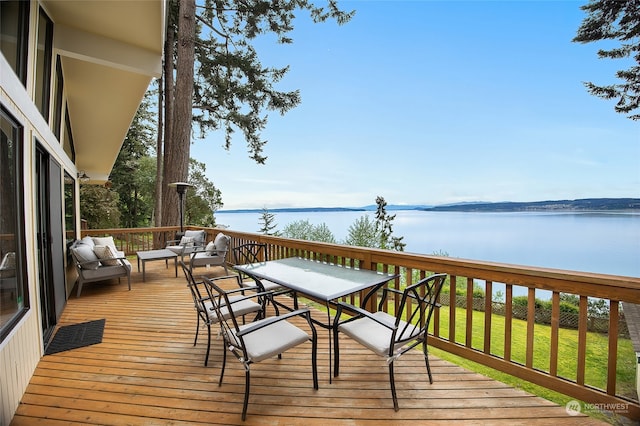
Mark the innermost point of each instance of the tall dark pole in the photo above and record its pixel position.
(181, 188)
(181, 195)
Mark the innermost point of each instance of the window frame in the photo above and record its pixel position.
(20, 243)
(70, 196)
(22, 44)
(42, 82)
(58, 105)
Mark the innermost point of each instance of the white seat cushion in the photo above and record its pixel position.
(182, 249)
(268, 285)
(272, 340)
(105, 272)
(376, 336)
(241, 308)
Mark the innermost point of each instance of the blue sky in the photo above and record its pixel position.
(433, 102)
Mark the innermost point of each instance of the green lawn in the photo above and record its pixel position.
(596, 356)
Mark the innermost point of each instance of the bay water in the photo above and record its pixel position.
(602, 242)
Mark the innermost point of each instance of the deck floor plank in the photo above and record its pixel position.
(147, 371)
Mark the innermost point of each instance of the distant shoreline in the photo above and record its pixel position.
(583, 205)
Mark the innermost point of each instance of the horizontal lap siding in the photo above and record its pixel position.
(19, 356)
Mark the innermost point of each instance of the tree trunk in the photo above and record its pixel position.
(176, 157)
(168, 109)
(157, 207)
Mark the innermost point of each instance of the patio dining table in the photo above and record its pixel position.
(325, 282)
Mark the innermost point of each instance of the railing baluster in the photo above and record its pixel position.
(531, 322)
(452, 307)
(469, 328)
(555, 332)
(488, 314)
(508, 321)
(613, 347)
(582, 340)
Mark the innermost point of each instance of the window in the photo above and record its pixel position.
(67, 143)
(69, 208)
(57, 107)
(14, 35)
(13, 295)
(43, 64)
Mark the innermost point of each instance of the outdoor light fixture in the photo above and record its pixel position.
(181, 187)
(83, 177)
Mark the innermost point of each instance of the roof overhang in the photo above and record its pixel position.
(110, 51)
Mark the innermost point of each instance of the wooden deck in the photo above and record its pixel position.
(146, 371)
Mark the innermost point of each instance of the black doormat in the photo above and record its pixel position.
(76, 336)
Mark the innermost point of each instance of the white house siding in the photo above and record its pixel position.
(19, 356)
(23, 348)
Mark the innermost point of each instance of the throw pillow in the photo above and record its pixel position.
(88, 241)
(107, 255)
(198, 237)
(105, 241)
(221, 242)
(210, 249)
(84, 253)
(186, 241)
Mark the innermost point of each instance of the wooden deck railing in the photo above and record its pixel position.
(481, 335)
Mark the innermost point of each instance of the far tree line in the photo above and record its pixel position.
(364, 232)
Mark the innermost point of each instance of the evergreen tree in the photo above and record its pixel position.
(128, 176)
(615, 20)
(176, 148)
(99, 207)
(267, 222)
(135, 172)
(233, 90)
(384, 228)
(203, 199)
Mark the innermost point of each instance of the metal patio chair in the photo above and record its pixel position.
(390, 336)
(203, 304)
(260, 340)
(190, 242)
(213, 254)
(255, 253)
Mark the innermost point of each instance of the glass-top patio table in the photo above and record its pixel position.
(325, 282)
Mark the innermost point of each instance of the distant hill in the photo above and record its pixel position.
(374, 207)
(297, 210)
(587, 204)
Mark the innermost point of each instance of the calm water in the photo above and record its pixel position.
(592, 242)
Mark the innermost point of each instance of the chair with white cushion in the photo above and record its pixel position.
(214, 254)
(261, 339)
(190, 242)
(98, 259)
(390, 336)
(204, 306)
